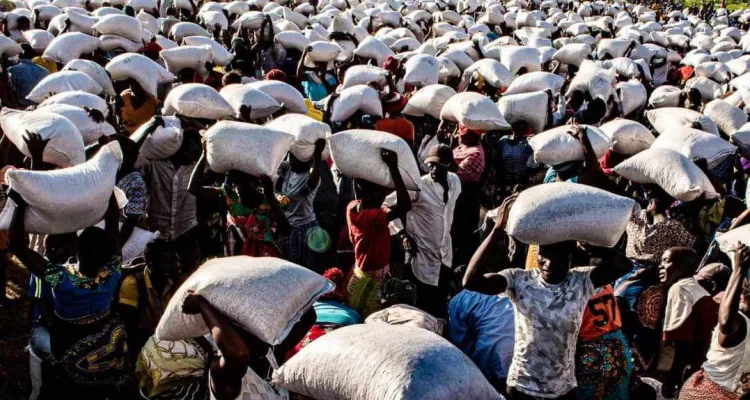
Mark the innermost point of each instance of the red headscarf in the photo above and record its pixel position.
(276, 75)
(464, 130)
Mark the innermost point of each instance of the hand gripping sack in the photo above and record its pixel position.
(364, 74)
(528, 107)
(557, 146)
(95, 71)
(252, 149)
(672, 171)
(143, 70)
(727, 117)
(306, 132)
(69, 46)
(422, 70)
(121, 25)
(65, 200)
(356, 154)
(562, 211)
(197, 100)
(382, 361)
(373, 48)
(219, 54)
(474, 111)
(494, 73)
(355, 98)
(90, 130)
(65, 147)
(428, 100)
(238, 95)
(631, 95)
(163, 143)
(515, 58)
(183, 57)
(252, 292)
(693, 144)
(63, 81)
(665, 96)
(665, 119)
(534, 82)
(572, 53)
(629, 137)
(284, 93)
(78, 99)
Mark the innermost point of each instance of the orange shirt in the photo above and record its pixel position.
(399, 126)
(133, 118)
(370, 236)
(601, 315)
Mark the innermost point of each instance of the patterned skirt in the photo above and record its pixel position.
(701, 387)
(363, 290)
(91, 356)
(603, 368)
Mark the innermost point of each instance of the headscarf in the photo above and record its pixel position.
(394, 104)
(276, 75)
(391, 64)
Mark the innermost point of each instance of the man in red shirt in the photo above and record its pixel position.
(394, 122)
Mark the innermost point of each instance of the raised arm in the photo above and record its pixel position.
(403, 201)
(18, 240)
(314, 179)
(282, 223)
(301, 65)
(613, 265)
(489, 283)
(227, 373)
(194, 187)
(112, 224)
(732, 327)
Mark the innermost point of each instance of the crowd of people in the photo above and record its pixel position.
(664, 313)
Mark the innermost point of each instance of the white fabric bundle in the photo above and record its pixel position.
(563, 211)
(9, 48)
(429, 100)
(738, 66)
(253, 149)
(139, 5)
(728, 241)
(320, 51)
(709, 89)
(665, 96)
(528, 107)
(494, 73)
(382, 361)
(613, 47)
(121, 25)
(292, 40)
(306, 132)
(557, 146)
(629, 137)
(713, 70)
(356, 154)
(572, 53)
(213, 18)
(536, 81)
(515, 58)
(69, 46)
(693, 144)
(182, 30)
(78, 23)
(422, 70)
(136, 243)
(163, 143)
(374, 49)
(632, 96)
(474, 111)
(672, 171)
(63, 81)
(65, 200)
(183, 57)
(285, 94)
(362, 75)
(356, 98)
(95, 71)
(143, 70)
(65, 147)
(219, 54)
(115, 42)
(79, 99)
(197, 100)
(727, 117)
(249, 20)
(665, 119)
(90, 130)
(251, 291)
(38, 39)
(238, 95)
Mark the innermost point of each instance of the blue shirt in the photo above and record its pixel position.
(75, 295)
(23, 77)
(314, 90)
(333, 312)
(39, 291)
(483, 327)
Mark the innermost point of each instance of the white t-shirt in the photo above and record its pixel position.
(548, 318)
(726, 366)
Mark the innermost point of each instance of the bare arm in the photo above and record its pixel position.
(314, 179)
(112, 224)
(18, 240)
(403, 201)
(301, 66)
(282, 223)
(490, 283)
(194, 187)
(732, 329)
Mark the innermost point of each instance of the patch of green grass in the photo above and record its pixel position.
(732, 5)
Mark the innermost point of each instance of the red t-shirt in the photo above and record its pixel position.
(400, 127)
(601, 315)
(370, 236)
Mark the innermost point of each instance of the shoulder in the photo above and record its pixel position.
(454, 179)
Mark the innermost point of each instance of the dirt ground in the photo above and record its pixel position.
(14, 336)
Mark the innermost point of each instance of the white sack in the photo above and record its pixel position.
(253, 149)
(494, 73)
(536, 81)
(121, 25)
(90, 131)
(38, 39)
(184, 57)
(528, 107)
(475, 111)
(356, 98)
(665, 96)
(629, 137)
(321, 51)
(428, 100)
(284, 93)
(143, 70)
(665, 119)
(557, 146)
(727, 117)
(163, 143)
(515, 58)
(219, 54)
(78, 99)
(69, 46)
(709, 89)
(65, 147)
(374, 49)
(306, 132)
(693, 144)
(573, 53)
(237, 95)
(63, 81)
(422, 70)
(631, 95)
(364, 74)
(196, 100)
(95, 71)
